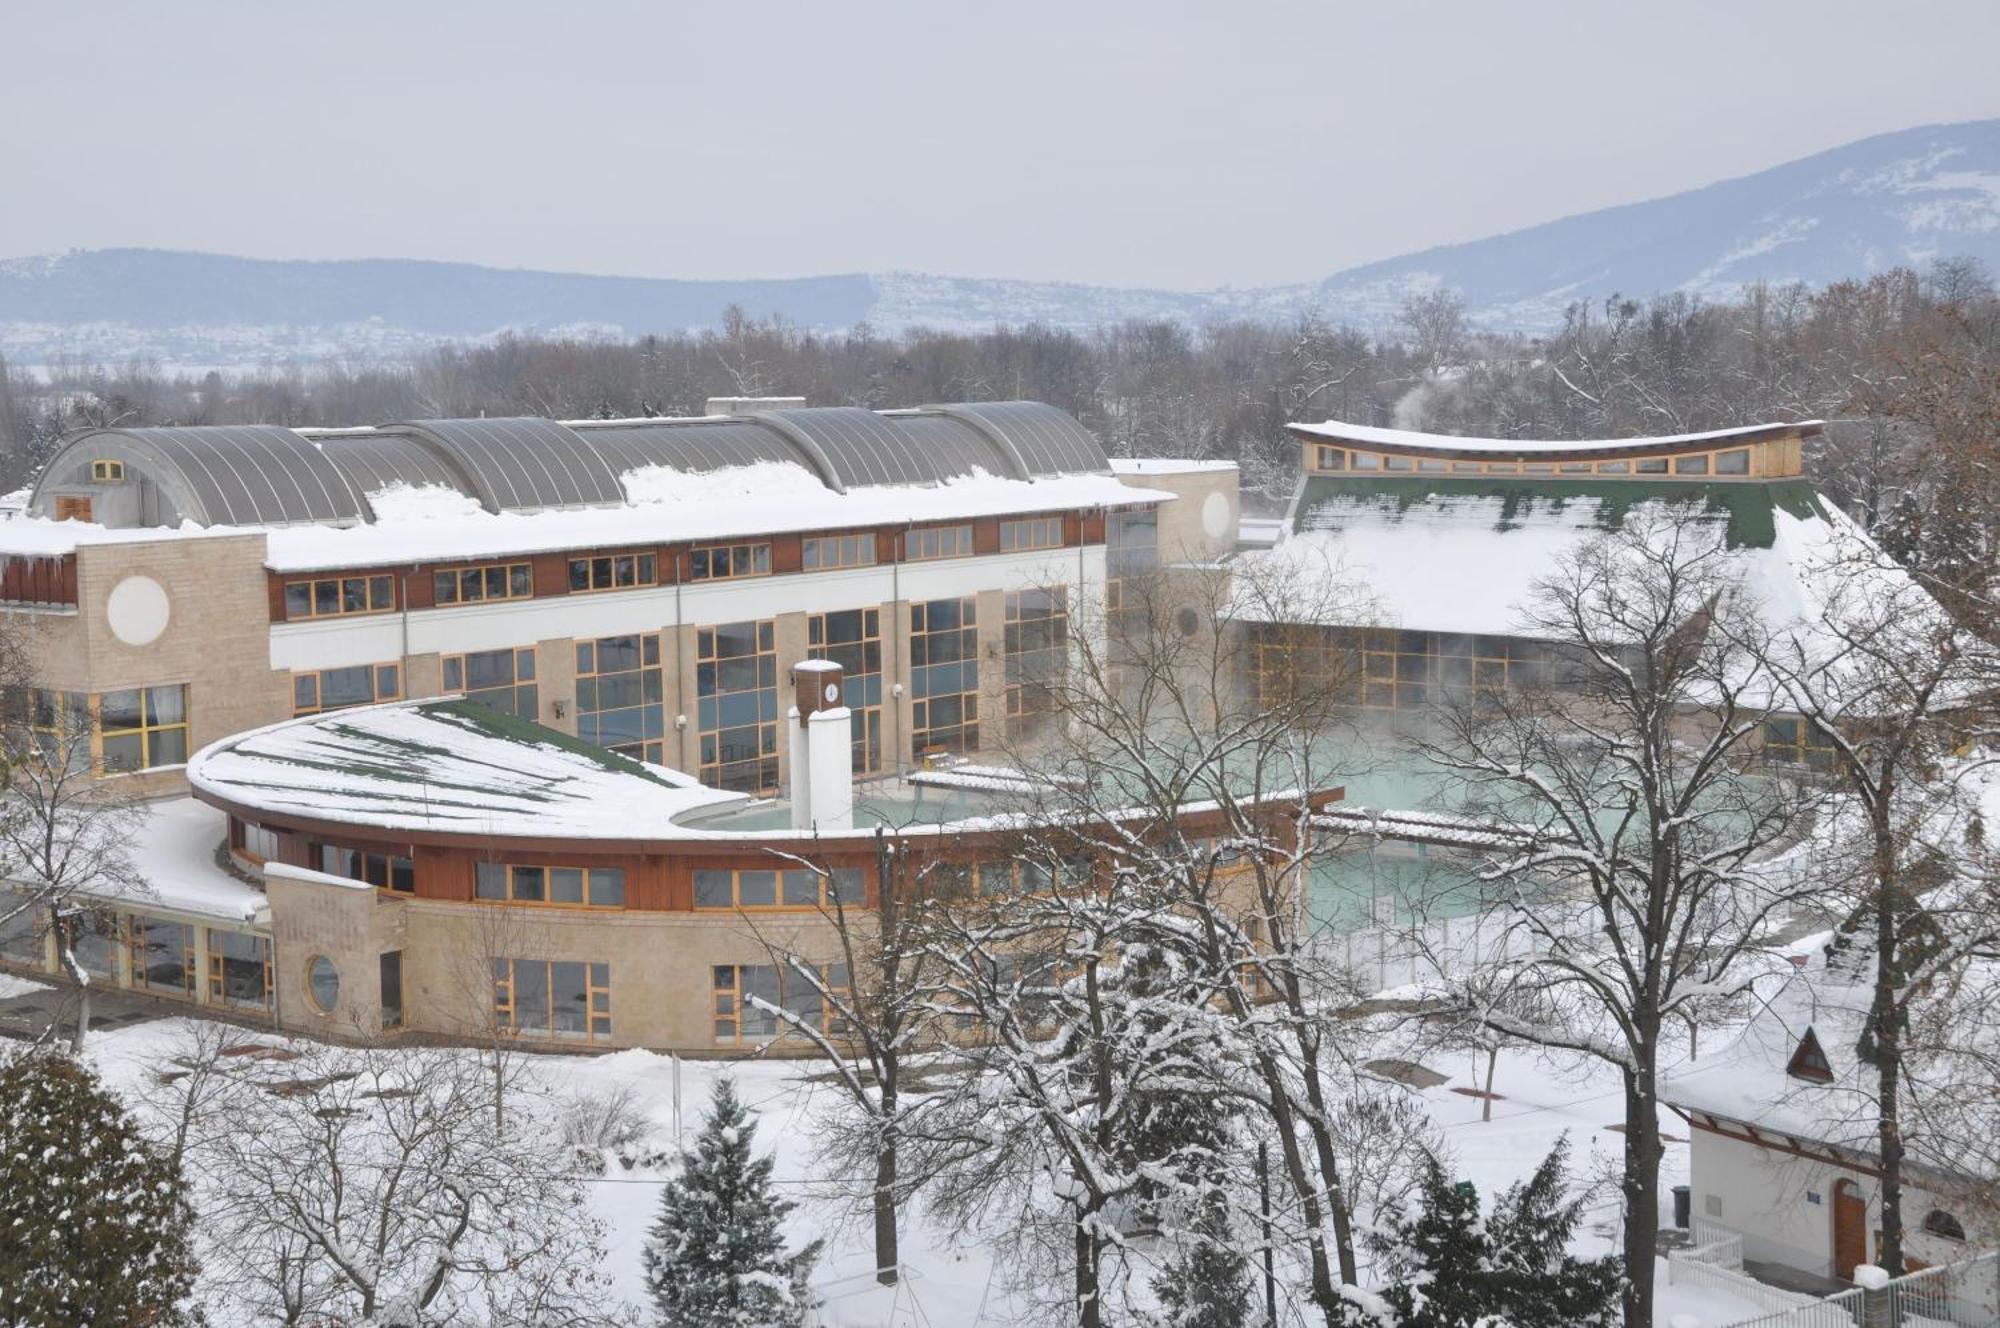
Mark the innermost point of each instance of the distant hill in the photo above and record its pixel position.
(1897, 198)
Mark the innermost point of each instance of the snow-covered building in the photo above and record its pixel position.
(1782, 1144)
(640, 583)
(403, 667)
(1441, 540)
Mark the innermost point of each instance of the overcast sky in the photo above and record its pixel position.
(1154, 143)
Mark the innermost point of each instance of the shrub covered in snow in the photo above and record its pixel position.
(93, 1221)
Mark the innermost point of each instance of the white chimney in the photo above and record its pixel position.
(822, 748)
(751, 405)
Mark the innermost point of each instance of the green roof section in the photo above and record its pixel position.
(1747, 505)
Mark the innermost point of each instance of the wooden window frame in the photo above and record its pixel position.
(710, 766)
(864, 684)
(217, 983)
(509, 974)
(107, 471)
(317, 682)
(134, 925)
(511, 875)
(922, 699)
(589, 654)
(369, 867)
(327, 596)
(516, 581)
(524, 671)
(923, 544)
(148, 731)
(596, 573)
(726, 1003)
(1026, 534)
(1027, 703)
(845, 886)
(855, 549)
(754, 557)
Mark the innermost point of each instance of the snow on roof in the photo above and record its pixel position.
(1167, 466)
(174, 851)
(444, 765)
(1405, 439)
(1465, 555)
(429, 523)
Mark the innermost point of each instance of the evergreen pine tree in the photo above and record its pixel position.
(1207, 1285)
(93, 1221)
(716, 1255)
(1451, 1269)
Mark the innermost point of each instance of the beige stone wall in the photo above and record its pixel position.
(352, 926)
(661, 963)
(1201, 522)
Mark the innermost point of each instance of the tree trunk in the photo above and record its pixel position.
(1887, 1022)
(1642, 1196)
(886, 1257)
(1492, 1060)
(66, 952)
(1089, 1309)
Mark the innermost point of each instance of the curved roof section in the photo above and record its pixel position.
(375, 461)
(859, 447)
(954, 448)
(1441, 444)
(1047, 441)
(225, 475)
(694, 446)
(524, 464)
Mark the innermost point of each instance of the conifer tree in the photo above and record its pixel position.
(716, 1255)
(1450, 1269)
(1207, 1285)
(93, 1221)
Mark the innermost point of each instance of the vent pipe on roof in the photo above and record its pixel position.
(751, 405)
(822, 748)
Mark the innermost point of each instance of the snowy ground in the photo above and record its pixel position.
(954, 1283)
(11, 986)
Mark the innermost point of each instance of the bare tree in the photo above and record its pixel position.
(365, 1185)
(869, 1017)
(65, 832)
(1636, 820)
(1883, 689)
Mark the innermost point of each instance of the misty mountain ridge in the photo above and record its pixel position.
(1903, 198)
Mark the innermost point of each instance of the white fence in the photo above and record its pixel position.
(1715, 1263)
(1959, 1295)
(1380, 958)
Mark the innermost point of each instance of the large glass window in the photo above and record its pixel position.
(822, 552)
(143, 727)
(94, 937)
(162, 955)
(619, 695)
(741, 1021)
(552, 998)
(618, 571)
(384, 871)
(475, 585)
(926, 542)
(56, 725)
(20, 931)
(391, 975)
(502, 679)
(1034, 532)
(239, 969)
(1131, 550)
(944, 676)
(853, 639)
(339, 596)
(335, 689)
(724, 562)
(736, 689)
(589, 887)
(797, 887)
(1037, 644)
(1795, 740)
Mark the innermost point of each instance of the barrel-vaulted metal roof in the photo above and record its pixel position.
(524, 464)
(376, 460)
(1048, 441)
(691, 445)
(225, 475)
(265, 475)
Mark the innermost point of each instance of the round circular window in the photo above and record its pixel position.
(323, 983)
(1189, 622)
